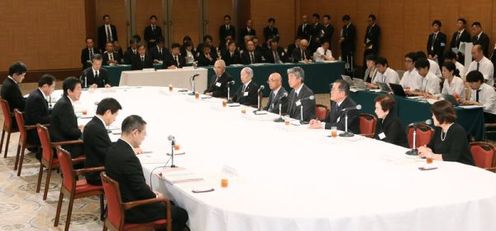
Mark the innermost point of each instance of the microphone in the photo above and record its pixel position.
(261, 88)
(357, 107)
(414, 150)
(428, 122)
(171, 138)
(193, 87)
(194, 76)
(229, 83)
(232, 82)
(307, 98)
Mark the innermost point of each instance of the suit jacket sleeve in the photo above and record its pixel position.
(135, 179)
(69, 126)
(394, 132)
(34, 111)
(98, 140)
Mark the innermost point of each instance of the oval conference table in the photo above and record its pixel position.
(288, 177)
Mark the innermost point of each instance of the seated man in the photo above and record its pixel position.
(302, 54)
(231, 55)
(275, 53)
(323, 53)
(218, 88)
(278, 95)
(482, 64)
(482, 94)
(251, 55)
(411, 80)
(174, 59)
(247, 93)
(142, 60)
(95, 76)
(207, 57)
(63, 120)
(96, 138)
(37, 108)
(299, 96)
(340, 100)
(88, 52)
(10, 90)
(110, 57)
(384, 73)
(431, 84)
(159, 53)
(122, 165)
(131, 51)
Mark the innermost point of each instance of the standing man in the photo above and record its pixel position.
(278, 95)
(480, 38)
(271, 31)
(328, 29)
(347, 41)
(316, 33)
(461, 35)
(304, 29)
(153, 32)
(88, 52)
(299, 96)
(371, 41)
(227, 30)
(106, 32)
(436, 43)
(246, 31)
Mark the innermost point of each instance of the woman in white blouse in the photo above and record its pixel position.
(453, 85)
(323, 53)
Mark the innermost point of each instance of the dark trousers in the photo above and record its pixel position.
(156, 211)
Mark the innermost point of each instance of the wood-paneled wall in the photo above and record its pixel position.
(117, 11)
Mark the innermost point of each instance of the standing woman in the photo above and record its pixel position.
(389, 127)
(449, 142)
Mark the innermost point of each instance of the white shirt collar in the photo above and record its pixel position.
(72, 101)
(43, 93)
(101, 119)
(299, 89)
(127, 143)
(95, 71)
(276, 90)
(12, 78)
(246, 85)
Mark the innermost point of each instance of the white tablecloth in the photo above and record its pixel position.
(292, 178)
(180, 78)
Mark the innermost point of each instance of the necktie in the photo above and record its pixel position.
(153, 27)
(96, 75)
(458, 37)
(244, 88)
(142, 59)
(111, 56)
(477, 95)
(276, 57)
(251, 57)
(160, 51)
(177, 60)
(108, 33)
(134, 51)
(478, 66)
(90, 53)
(433, 41)
(227, 27)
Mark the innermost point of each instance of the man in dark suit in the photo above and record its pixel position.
(159, 52)
(247, 93)
(131, 51)
(299, 96)
(480, 38)
(152, 32)
(207, 57)
(37, 107)
(106, 32)
(327, 28)
(175, 59)
(218, 88)
(88, 52)
(461, 35)
(304, 29)
(251, 55)
(63, 120)
(247, 30)
(95, 76)
(347, 41)
(316, 33)
(278, 96)
(142, 60)
(436, 43)
(10, 90)
(96, 138)
(371, 41)
(292, 47)
(302, 53)
(339, 101)
(275, 53)
(110, 57)
(227, 30)
(231, 55)
(271, 31)
(122, 165)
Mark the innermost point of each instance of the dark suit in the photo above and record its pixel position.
(270, 56)
(281, 98)
(337, 119)
(64, 126)
(244, 32)
(101, 80)
(291, 48)
(138, 64)
(316, 34)
(482, 40)
(456, 39)
(304, 31)
(12, 93)
(171, 60)
(122, 165)
(102, 36)
(270, 33)
(328, 32)
(372, 40)
(96, 144)
(224, 32)
(295, 102)
(348, 45)
(235, 58)
(86, 57)
(218, 88)
(150, 34)
(129, 55)
(300, 55)
(36, 112)
(157, 54)
(390, 130)
(247, 96)
(437, 46)
(256, 57)
(204, 61)
(106, 58)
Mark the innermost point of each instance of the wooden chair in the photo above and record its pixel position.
(115, 219)
(73, 188)
(23, 143)
(321, 112)
(484, 155)
(47, 158)
(7, 126)
(424, 135)
(368, 124)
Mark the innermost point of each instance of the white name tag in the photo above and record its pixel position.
(245, 93)
(298, 103)
(218, 84)
(382, 136)
(339, 119)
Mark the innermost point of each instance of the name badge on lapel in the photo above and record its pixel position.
(245, 93)
(218, 84)
(382, 136)
(298, 103)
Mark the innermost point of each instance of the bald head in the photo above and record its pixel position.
(477, 52)
(304, 43)
(219, 67)
(275, 81)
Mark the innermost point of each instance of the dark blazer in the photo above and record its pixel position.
(129, 55)
(372, 38)
(223, 33)
(150, 34)
(269, 55)
(464, 37)
(455, 147)
(304, 32)
(437, 46)
(244, 32)
(235, 58)
(316, 34)
(64, 126)
(291, 48)
(483, 41)
(336, 117)
(390, 130)
(106, 58)
(96, 144)
(245, 57)
(280, 99)
(169, 61)
(218, 88)
(328, 32)
(85, 57)
(36, 112)
(11, 92)
(137, 64)
(247, 97)
(90, 77)
(102, 35)
(203, 61)
(270, 33)
(348, 45)
(297, 55)
(295, 102)
(154, 52)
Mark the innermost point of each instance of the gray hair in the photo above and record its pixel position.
(298, 72)
(248, 71)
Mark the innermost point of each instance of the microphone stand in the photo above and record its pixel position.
(346, 132)
(192, 85)
(280, 119)
(302, 121)
(229, 100)
(414, 150)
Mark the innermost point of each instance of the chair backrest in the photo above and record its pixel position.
(483, 154)
(424, 135)
(44, 135)
(19, 117)
(115, 209)
(68, 176)
(7, 120)
(321, 112)
(368, 124)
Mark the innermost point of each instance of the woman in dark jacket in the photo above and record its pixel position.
(389, 128)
